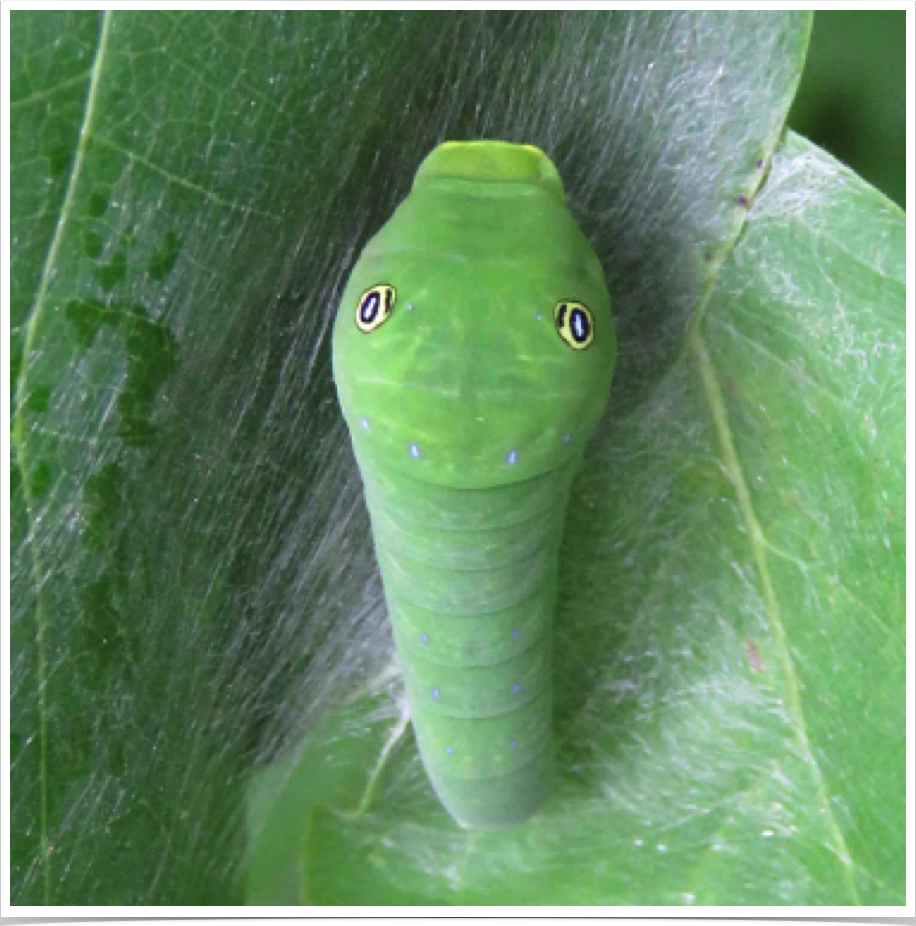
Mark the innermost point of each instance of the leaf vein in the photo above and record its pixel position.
(18, 438)
(181, 181)
(759, 546)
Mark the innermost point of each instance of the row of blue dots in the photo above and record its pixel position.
(538, 317)
(424, 637)
(516, 688)
(511, 456)
(414, 449)
(449, 750)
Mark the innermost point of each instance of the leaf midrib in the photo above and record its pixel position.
(759, 545)
(18, 437)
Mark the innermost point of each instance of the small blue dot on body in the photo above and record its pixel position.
(515, 744)
(448, 750)
(566, 438)
(365, 423)
(409, 306)
(424, 638)
(516, 688)
(414, 451)
(515, 633)
(512, 457)
(539, 316)
(435, 692)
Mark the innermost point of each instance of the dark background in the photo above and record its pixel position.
(852, 98)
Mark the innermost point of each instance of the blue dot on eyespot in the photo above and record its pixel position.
(414, 451)
(365, 423)
(516, 688)
(424, 638)
(512, 457)
(435, 692)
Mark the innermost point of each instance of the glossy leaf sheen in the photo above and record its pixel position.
(193, 584)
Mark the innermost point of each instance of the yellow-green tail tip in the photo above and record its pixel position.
(494, 161)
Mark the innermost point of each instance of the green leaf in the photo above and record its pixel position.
(192, 582)
(733, 599)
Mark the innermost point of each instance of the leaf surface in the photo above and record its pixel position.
(192, 582)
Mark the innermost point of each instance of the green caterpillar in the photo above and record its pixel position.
(473, 354)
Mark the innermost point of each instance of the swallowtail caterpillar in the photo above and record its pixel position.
(473, 353)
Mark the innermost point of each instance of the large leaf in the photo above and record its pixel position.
(192, 581)
(732, 635)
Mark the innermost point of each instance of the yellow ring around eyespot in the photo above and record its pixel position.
(387, 296)
(564, 329)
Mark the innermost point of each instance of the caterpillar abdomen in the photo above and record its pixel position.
(471, 605)
(473, 353)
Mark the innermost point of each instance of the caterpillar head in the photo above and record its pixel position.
(474, 345)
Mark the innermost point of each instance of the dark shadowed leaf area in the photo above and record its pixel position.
(205, 705)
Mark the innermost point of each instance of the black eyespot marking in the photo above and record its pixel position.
(369, 309)
(579, 325)
(375, 307)
(575, 324)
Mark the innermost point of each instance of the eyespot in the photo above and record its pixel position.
(575, 323)
(374, 307)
